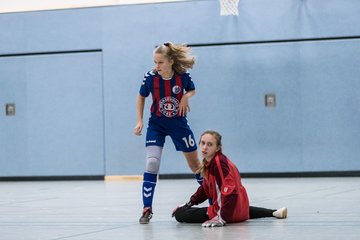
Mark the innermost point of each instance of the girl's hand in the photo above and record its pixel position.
(184, 205)
(214, 222)
(184, 107)
(138, 128)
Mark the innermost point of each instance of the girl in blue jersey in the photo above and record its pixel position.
(171, 87)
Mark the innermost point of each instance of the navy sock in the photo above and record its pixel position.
(199, 178)
(148, 188)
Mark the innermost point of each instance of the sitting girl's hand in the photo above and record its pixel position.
(214, 222)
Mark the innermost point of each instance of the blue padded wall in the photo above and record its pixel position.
(314, 126)
(58, 126)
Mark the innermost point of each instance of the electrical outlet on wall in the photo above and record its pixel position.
(10, 109)
(270, 100)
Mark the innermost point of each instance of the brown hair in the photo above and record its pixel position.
(179, 53)
(204, 162)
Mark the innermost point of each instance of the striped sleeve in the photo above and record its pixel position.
(226, 189)
(199, 196)
(188, 82)
(144, 88)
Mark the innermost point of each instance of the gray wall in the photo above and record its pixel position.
(74, 76)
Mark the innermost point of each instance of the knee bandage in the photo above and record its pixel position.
(153, 156)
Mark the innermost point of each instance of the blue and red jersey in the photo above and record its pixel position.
(166, 94)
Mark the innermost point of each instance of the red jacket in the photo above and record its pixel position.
(223, 185)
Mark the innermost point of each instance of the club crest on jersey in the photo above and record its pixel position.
(176, 89)
(169, 106)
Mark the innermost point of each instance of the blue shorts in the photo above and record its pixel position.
(177, 128)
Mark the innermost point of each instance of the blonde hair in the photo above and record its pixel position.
(179, 53)
(204, 162)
